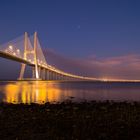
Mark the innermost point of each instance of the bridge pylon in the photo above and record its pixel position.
(35, 56)
(35, 71)
(25, 56)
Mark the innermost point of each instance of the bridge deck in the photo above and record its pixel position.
(14, 58)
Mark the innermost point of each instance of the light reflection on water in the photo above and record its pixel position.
(42, 91)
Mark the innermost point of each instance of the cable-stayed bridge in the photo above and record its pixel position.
(27, 51)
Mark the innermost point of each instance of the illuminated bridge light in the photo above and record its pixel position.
(10, 47)
(18, 51)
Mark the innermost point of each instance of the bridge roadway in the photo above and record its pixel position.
(59, 74)
(43, 67)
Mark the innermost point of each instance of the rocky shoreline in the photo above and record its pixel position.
(70, 121)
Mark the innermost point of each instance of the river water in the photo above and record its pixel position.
(53, 92)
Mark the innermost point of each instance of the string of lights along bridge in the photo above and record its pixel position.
(27, 51)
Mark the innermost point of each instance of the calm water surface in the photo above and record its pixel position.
(42, 91)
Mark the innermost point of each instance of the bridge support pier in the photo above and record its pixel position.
(50, 75)
(33, 72)
(47, 74)
(22, 71)
(43, 74)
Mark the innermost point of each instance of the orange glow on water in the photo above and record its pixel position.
(29, 92)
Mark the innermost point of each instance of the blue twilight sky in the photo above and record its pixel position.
(75, 28)
(83, 29)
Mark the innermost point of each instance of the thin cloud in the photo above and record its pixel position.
(118, 67)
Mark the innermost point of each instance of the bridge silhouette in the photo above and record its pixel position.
(27, 51)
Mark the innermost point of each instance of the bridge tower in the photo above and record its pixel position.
(25, 56)
(35, 56)
(26, 52)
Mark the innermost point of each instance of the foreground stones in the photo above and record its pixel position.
(67, 120)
